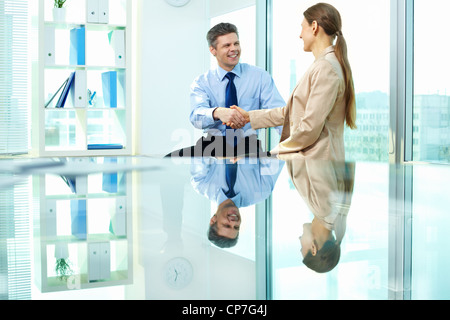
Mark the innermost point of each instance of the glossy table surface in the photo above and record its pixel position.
(136, 228)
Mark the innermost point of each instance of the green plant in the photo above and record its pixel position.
(59, 3)
(63, 269)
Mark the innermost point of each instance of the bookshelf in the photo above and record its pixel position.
(96, 118)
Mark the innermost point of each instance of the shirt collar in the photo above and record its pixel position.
(326, 51)
(222, 73)
(221, 197)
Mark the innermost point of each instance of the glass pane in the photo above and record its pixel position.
(363, 265)
(369, 58)
(362, 271)
(430, 261)
(431, 120)
(245, 21)
(243, 15)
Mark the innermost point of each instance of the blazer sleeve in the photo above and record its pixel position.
(267, 118)
(324, 89)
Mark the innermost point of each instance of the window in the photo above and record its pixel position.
(431, 137)
(14, 71)
(243, 15)
(366, 29)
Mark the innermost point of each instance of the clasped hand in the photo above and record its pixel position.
(233, 117)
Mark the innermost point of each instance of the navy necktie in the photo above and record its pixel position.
(231, 92)
(231, 98)
(230, 175)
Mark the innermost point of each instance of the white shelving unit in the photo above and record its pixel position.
(89, 227)
(68, 131)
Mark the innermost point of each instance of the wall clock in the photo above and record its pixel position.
(178, 273)
(177, 3)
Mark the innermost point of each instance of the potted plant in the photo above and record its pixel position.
(62, 267)
(59, 11)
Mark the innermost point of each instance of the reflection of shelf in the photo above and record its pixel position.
(90, 67)
(88, 196)
(88, 26)
(106, 221)
(90, 238)
(117, 277)
(90, 108)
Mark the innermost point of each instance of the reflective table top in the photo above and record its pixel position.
(213, 229)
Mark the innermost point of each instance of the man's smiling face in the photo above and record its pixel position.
(227, 51)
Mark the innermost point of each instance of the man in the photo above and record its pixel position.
(224, 226)
(253, 183)
(230, 84)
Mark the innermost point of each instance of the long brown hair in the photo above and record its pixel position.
(330, 20)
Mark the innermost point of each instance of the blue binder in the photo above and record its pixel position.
(63, 97)
(109, 180)
(78, 46)
(78, 216)
(105, 146)
(109, 83)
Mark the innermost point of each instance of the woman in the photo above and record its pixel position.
(323, 101)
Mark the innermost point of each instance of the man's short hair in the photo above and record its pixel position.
(218, 30)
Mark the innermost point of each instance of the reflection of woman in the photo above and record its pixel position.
(313, 119)
(327, 188)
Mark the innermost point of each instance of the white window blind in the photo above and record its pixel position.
(15, 237)
(14, 74)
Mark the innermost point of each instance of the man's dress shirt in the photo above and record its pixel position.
(255, 90)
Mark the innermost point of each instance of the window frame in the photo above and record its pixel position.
(400, 147)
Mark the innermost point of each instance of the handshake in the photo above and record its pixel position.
(233, 117)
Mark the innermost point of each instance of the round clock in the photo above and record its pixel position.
(177, 3)
(178, 273)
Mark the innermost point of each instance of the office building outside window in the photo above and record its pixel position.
(431, 110)
(366, 27)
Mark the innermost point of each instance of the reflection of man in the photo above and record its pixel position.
(225, 224)
(231, 83)
(252, 182)
(327, 188)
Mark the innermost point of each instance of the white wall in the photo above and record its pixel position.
(172, 52)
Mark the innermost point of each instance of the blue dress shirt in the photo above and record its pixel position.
(255, 179)
(255, 90)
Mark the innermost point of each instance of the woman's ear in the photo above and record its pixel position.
(213, 220)
(315, 27)
(314, 248)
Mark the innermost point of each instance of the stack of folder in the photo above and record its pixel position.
(76, 85)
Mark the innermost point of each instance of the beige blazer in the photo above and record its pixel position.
(326, 187)
(313, 119)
